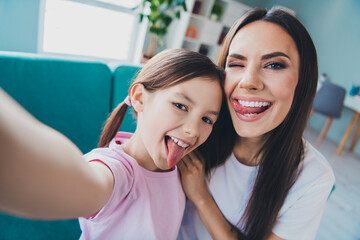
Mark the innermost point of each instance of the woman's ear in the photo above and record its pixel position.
(137, 97)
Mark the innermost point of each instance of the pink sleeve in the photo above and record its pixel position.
(123, 173)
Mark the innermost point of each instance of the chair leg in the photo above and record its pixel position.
(324, 131)
(355, 137)
(347, 133)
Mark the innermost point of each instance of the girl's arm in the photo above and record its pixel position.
(42, 173)
(195, 188)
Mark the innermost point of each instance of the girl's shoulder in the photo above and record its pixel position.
(114, 150)
(114, 156)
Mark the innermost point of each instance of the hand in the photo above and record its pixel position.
(193, 177)
(194, 185)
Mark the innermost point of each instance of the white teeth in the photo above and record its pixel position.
(253, 104)
(179, 142)
(250, 114)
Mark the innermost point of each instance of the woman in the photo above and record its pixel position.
(264, 181)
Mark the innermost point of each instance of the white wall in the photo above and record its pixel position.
(19, 25)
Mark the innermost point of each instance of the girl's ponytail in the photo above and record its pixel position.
(113, 124)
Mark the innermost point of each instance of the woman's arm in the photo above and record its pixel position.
(42, 173)
(195, 188)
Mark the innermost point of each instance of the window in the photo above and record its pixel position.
(96, 28)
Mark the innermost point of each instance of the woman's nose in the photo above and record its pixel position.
(251, 80)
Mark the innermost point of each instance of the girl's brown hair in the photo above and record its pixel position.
(281, 155)
(166, 69)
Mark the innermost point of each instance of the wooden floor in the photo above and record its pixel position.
(341, 219)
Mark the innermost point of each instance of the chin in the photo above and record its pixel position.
(249, 133)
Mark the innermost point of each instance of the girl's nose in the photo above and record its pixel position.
(251, 80)
(192, 128)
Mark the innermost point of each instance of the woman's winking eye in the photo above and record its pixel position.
(233, 64)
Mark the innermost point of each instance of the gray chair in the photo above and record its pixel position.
(329, 101)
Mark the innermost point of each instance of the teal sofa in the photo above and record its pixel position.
(72, 96)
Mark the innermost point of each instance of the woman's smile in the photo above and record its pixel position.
(251, 109)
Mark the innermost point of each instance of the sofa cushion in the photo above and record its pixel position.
(123, 76)
(14, 228)
(70, 96)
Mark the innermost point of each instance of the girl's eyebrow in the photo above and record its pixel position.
(182, 95)
(216, 114)
(264, 57)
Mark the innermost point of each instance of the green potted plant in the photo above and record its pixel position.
(216, 11)
(160, 14)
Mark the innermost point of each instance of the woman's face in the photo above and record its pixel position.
(262, 70)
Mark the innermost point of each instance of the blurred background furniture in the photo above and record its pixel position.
(329, 101)
(354, 104)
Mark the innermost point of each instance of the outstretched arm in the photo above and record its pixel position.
(195, 188)
(42, 173)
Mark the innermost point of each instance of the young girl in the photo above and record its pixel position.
(129, 188)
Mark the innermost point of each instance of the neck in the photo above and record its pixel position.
(246, 150)
(136, 150)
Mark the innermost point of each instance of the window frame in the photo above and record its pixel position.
(137, 38)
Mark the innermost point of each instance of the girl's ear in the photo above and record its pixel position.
(137, 97)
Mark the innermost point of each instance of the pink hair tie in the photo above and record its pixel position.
(127, 101)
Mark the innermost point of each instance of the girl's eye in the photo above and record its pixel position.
(275, 65)
(207, 120)
(180, 106)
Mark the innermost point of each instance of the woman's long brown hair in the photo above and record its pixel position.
(168, 68)
(281, 155)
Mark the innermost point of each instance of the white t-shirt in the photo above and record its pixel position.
(299, 218)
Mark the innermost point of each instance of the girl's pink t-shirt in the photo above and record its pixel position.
(143, 204)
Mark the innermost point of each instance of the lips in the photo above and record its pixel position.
(251, 109)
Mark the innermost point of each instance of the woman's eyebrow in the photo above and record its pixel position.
(274, 54)
(238, 56)
(264, 57)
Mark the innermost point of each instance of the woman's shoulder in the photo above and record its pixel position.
(303, 207)
(316, 173)
(315, 163)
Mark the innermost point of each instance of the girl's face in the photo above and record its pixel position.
(262, 70)
(176, 120)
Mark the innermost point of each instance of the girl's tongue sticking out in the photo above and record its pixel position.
(175, 152)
